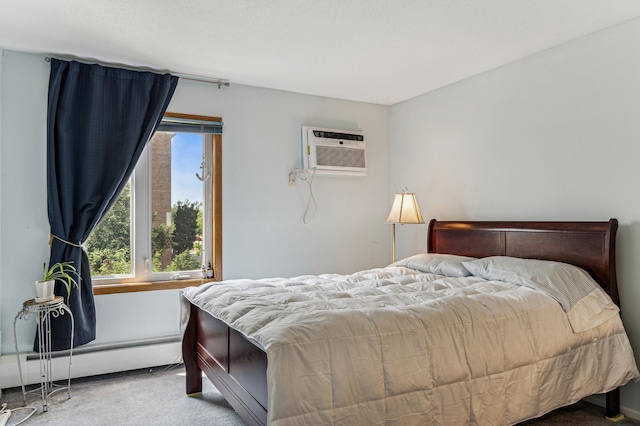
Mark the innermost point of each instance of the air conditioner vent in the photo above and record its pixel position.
(334, 152)
(339, 157)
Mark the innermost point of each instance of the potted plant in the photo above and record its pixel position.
(60, 271)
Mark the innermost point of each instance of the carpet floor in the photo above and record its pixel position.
(157, 397)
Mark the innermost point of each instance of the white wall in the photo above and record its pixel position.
(551, 137)
(263, 230)
(263, 233)
(24, 228)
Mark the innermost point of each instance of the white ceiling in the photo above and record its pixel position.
(379, 51)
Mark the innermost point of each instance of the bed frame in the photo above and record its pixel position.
(237, 365)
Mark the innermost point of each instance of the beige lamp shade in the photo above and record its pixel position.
(405, 209)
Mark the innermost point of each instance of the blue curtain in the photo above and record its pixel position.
(99, 121)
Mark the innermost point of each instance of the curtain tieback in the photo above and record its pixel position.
(65, 241)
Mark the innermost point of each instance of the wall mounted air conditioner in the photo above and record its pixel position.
(333, 152)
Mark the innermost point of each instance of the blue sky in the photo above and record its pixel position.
(186, 156)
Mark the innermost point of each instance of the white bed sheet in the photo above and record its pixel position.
(393, 346)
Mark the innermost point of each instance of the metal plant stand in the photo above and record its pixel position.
(43, 311)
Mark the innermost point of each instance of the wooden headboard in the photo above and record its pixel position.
(589, 245)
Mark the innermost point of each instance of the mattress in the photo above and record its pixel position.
(399, 346)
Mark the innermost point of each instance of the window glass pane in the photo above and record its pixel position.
(109, 246)
(176, 201)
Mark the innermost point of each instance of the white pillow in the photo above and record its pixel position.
(449, 265)
(584, 301)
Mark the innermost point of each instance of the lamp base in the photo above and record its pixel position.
(393, 239)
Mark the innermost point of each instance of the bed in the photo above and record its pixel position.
(377, 364)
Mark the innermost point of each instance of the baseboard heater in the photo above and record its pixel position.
(100, 347)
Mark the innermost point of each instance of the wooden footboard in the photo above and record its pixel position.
(235, 365)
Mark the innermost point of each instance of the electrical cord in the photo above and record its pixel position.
(176, 363)
(304, 176)
(3, 410)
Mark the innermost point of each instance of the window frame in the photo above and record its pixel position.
(131, 284)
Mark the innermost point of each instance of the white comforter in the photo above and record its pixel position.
(394, 346)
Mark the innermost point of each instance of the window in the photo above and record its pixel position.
(166, 224)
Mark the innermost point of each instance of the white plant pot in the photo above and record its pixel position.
(44, 290)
